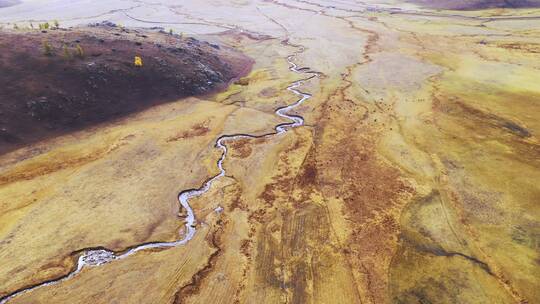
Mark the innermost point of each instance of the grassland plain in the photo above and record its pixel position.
(414, 180)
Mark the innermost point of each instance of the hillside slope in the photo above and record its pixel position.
(57, 81)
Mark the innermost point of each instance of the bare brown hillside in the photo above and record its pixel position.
(57, 81)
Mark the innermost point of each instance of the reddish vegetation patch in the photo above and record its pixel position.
(525, 47)
(371, 186)
(196, 131)
(373, 194)
(194, 286)
(58, 81)
(245, 248)
(236, 199)
(269, 92)
(308, 176)
(241, 148)
(372, 191)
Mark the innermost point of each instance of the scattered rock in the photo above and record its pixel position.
(75, 88)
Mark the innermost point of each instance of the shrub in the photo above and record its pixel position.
(67, 54)
(56, 24)
(79, 52)
(47, 48)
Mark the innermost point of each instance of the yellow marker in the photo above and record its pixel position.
(138, 61)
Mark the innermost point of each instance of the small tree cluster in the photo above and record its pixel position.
(44, 26)
(67, 53)
(27, 26)
(70, 54)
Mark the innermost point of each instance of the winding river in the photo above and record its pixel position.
(96, 257)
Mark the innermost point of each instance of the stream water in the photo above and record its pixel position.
(97, 257)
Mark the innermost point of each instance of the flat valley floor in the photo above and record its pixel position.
(415, 178)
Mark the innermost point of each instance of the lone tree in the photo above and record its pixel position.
(47, 48)
(79, 51)
(138, 61)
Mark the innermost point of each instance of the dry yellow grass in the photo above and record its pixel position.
(413, 180)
